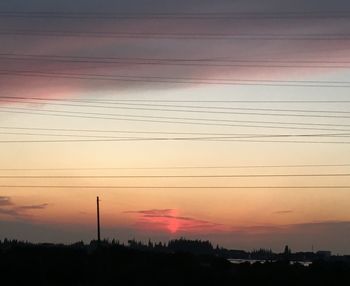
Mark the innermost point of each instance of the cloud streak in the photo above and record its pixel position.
(10, 209)
(34, 207)
(168, 220)
(126, 48)
(5, 201)
(283, 212)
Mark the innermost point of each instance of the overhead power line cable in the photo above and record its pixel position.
(168, 176)
(229, 136)
(209, 60)
(8, 110)
(254, 122)
(153, 107)
(99, 131)
(113, 100)
(184, 15)
(181, 118)
(175, 139)
(181, 167)
(330, 187)
(171, 62)
(177, 36)
(173, 80)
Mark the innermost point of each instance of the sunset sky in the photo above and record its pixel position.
(221, 120)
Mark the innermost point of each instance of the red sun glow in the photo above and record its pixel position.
(170, 221)
(173, 224)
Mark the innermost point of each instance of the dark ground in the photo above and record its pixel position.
(113, 264)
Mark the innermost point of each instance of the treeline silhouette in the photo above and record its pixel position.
(206, 247)
(178, 262)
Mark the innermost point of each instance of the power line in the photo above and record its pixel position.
(112, 131)
(126, 131)
(169, 176)
(220, 60)
(228, 136)
(70, 135)
(174, 139)
(155, 79)
(166, 62)
(215, 135)
(126, 106)
(236, 121)
(109, 100)
(230, 108)
(170, 187)
(181, 167)
(203, 15)
(179, 36)
(166, 122)
(183, 118)
(279, 141)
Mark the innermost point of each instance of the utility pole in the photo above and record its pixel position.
(98, 220)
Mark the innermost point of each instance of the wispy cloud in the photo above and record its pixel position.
(5, 201)
(143, 48)
(9, 212)
(159, 212)
(169, 220)
(282, 212)
(33, 207)
(9, 208)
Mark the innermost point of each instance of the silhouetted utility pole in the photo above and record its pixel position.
(98, 220)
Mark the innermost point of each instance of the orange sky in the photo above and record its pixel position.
(211, 212)
(177, 100)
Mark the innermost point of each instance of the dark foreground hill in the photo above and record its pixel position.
(111, 264)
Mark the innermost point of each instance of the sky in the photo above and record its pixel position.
(220, 120)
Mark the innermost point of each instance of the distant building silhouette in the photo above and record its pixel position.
(324, 254)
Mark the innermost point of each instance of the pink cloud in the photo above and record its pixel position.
(291, 50)
(168, 220)
(10, 209)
